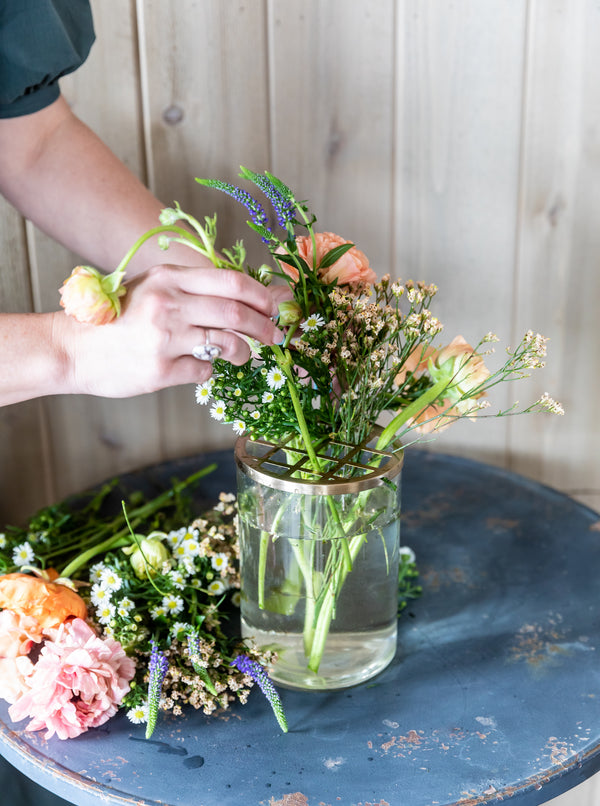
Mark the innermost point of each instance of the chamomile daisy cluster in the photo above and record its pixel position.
(169, 593)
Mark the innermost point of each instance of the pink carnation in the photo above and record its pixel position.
(14, 677)
(18, 633)
(77, 683)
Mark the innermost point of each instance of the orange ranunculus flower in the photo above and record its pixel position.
(48, 602)
(351, 269)
(90, 296)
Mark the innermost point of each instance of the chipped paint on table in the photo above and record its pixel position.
(492, 697)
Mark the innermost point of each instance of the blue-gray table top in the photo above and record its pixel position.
(494, 693)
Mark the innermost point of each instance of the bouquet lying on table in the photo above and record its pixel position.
(144, 615)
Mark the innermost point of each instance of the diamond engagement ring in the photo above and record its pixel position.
(207, 351)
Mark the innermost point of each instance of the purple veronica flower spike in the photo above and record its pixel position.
(255, 208)
(158, 669)
(254, 670)
(277, 193)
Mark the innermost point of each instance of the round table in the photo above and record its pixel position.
(493, 694)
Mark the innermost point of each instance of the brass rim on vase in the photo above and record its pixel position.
(266, 462)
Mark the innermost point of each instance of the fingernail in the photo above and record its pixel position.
(278, 337)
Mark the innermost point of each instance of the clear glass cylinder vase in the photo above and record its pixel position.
(319, 555)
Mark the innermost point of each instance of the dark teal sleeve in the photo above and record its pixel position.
(40, 41)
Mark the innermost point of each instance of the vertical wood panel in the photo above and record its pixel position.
(459, 101)
(206, 112)
(332, 78)
(24, 481)
(558, 283)
(454, 141)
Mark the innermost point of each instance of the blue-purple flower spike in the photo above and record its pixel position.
(254, 670)
(255, 208)
(283, 203)
(158, 669)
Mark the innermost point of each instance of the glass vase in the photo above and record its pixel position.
(319, 559)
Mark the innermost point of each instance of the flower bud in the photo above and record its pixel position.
(290, 313)
(169, 216)
(91, 297)
(148, 556)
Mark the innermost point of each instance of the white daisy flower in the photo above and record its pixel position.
(177, 579)
(275, 378)
(237, 392)
(96, 572)
(158, 612)
(216, 587)
(105, 613)
(219, 562)
(191, 548)
(125, 606)
(255, 414)
(99, 594)
(2, 540)
(196, 583)
(407, 553)
(239, 426)
(180, 627)
(175, 537)
(217, 410)
(236, 599)
(138, 714)
(203, 393)
(268, 397)
(110, 580)
(23, 554)
(187, 567)
(179, 552)
(172, 604)
(312, 322)
(190, 535)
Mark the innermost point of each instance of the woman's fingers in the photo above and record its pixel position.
(213, 298)
(206, 344)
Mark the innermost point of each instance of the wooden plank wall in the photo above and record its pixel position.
(455, 141)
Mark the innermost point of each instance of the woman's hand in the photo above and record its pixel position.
(167, 312)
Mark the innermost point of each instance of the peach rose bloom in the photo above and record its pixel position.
(459, 360)
(351, 269)
(14, 677)
(84, 297)
(47, 602)
(465, 371)
(18, 634)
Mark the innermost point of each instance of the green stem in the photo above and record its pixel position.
(262, 567)
(120, 270)
(137, 516)
(327, 609)
(426, 399)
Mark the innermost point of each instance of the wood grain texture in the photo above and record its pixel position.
(557, 284)
(455, 142)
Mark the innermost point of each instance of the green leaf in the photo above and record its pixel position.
(293, 261)
(262, 231)
(334, 255)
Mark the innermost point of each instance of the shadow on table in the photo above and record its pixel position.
(18, 790)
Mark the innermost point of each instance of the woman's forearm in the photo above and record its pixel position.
(33, 361)
(57, 172)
